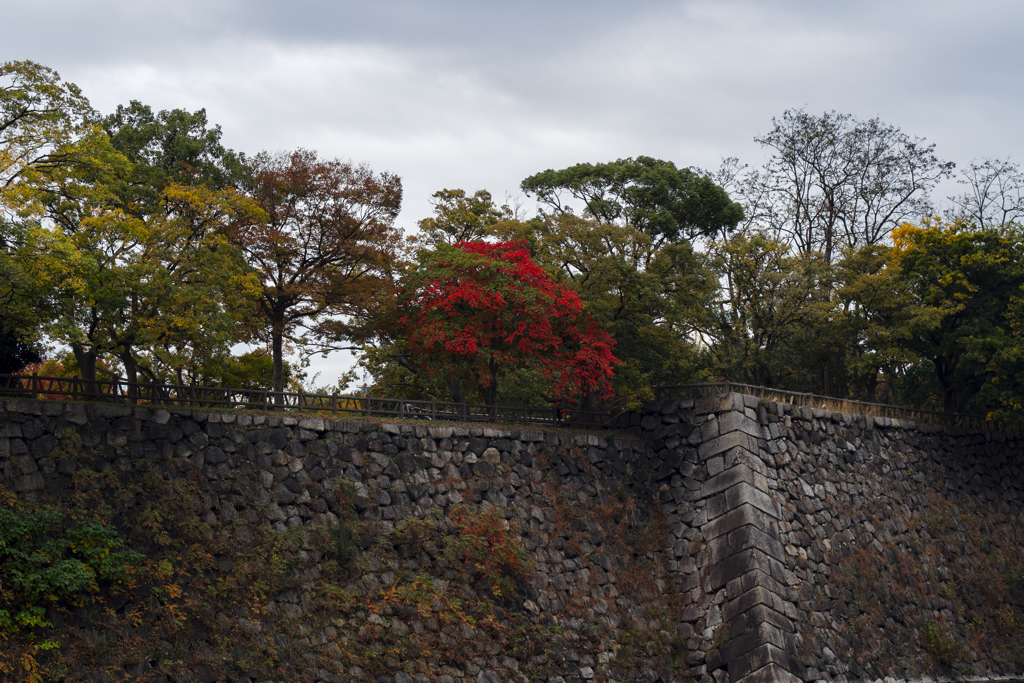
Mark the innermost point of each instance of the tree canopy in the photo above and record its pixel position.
(135, 243)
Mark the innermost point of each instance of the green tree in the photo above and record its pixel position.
(668, 204)
(771, 300)
(630, 257)
(959, 284)
(175, 146)
(138, 289)
(461, 218)
(40, 117)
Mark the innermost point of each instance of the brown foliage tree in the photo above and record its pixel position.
(325, 251)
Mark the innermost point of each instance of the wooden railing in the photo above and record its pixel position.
(231, 398)
(838, 405)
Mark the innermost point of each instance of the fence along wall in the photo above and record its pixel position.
(785, 543)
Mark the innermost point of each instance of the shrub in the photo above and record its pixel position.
(487, 548)
(940, 646)
(45, 562)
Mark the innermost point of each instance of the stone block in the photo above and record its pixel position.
(727, 479)
(743, 538)
(757, 636)
(758, 595)
(734, 519)
(29, 482)
(758, 658)
(714, 404)
(759, 614)
(24, 407)
(744, 493)
(773, 673)
(75, 413)
(735, 421)
(754, 579)
(724, 442)
(737, 565)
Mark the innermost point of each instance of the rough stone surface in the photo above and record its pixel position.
(799, 543)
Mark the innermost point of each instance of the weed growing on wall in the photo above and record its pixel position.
(487, 550)
(954, 591)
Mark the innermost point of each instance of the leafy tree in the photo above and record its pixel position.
(771, 298)
(461, 218)
(650, 299)
(630, 257)
(869, 297)
(834, 180)
(40, 117)
(959, 283)
(653, 196)
(129, 286)
(324, 254)
(477, 311)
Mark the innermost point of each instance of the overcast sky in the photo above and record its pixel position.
(478, 95)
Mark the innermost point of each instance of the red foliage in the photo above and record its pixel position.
(479, 309)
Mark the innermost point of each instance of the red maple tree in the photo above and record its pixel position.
(477, 311)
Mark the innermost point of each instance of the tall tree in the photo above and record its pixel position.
(629, 256)
(771, 296)
(667, 203)
(459, 217)
(40, 117)
(994, 195)
(834, 180)
(122, 285)
(325, 252)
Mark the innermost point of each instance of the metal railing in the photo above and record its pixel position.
(232, 398)
(838, 405)
(190, 396)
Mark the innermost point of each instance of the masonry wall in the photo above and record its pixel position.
(715, 539)
(233, 512)
(848, 547)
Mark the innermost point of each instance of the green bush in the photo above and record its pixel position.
(45, 561)
(940, 646)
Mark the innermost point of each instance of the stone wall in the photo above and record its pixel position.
(721, 539)
(607, 600)
(847, 547)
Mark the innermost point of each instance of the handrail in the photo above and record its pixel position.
(842, 405)
(157, 394)
(153, 393)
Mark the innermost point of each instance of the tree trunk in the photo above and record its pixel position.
(455, 390)
(131, 370)
(277, 343)
(86, 368)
